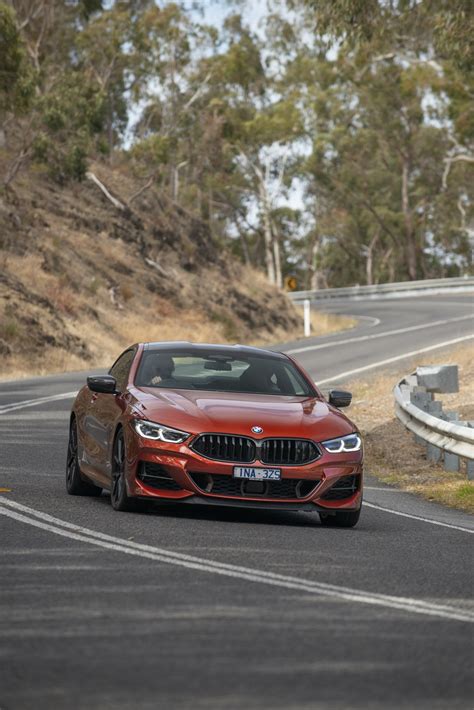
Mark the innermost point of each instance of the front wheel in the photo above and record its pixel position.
(119, 497)
(341, 519)
(75, 484)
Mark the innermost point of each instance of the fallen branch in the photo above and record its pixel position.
(143, 188)
(168, 273)
(116, 203)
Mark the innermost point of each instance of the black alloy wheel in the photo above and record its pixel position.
(119, 497)
(75, 484)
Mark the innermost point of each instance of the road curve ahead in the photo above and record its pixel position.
(204, 608)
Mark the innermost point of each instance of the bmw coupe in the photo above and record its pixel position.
(215, 424)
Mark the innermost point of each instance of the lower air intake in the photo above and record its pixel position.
(221, 484)
(344, 487)
(156, 476)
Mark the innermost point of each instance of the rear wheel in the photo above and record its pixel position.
(118, 491)
(75, 484)
(341, 519)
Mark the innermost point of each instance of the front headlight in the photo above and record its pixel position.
(158, 432)
(343, 444)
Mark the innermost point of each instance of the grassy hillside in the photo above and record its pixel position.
(80, 277)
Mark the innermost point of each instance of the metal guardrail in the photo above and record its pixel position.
(396, 289)
(444, 435)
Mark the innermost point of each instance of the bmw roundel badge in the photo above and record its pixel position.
(257, 430)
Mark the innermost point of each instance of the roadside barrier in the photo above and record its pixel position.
(445, 436)
(389, 290)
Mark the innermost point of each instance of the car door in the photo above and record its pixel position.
(104, 412)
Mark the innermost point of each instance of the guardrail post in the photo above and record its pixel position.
(439, 378)
(451, 461)
(433, 453)
(307, 317)
(470, 470)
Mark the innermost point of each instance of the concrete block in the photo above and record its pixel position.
(433, 453)
(451, 461)
(421, 399)
(470, 470)
(434, 408)
(451, 417)
(440, 378)
(405, 392)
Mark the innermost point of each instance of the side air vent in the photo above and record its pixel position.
(344, 487)
(156, 476)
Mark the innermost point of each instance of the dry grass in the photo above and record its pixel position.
(128, 326)
(391, 452)
(327, 323)
(80, 281)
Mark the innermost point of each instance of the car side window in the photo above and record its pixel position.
(121, 368)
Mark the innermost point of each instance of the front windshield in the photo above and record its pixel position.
(221, 372)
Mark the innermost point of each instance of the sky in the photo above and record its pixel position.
(215, 11)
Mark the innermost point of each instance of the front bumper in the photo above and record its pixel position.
(187, 470)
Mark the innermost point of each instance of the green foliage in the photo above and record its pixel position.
(365, 105)
(16, 76)
(69, 117)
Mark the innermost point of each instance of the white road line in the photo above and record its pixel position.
(33, 402)
(59, 527)
(362, 338)
(385, 490)
(389, 360)
(374, 321)
(418, 517)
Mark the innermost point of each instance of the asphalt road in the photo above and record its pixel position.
(190, 607)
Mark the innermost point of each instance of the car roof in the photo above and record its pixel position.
(203, 348)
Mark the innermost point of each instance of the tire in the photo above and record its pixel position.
(75, 484)
(119, 497)
(342, 519)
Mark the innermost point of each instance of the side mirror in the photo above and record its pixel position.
(340, 398)
(105, 384)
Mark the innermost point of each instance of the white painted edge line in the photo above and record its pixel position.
(386, 333)
(41, 520)
(32, 402)
(381, 488)
(366, 504)
(389, 360)
(374, 321)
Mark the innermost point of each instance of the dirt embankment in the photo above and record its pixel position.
(391, 452)
(80, 278)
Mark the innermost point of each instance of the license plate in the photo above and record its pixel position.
(257, 474)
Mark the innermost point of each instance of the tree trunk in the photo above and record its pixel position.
(410, 237)
(386, 259)
(369, 263)
(245, 248)
(313, 280)
(267, 236)
(277, 259)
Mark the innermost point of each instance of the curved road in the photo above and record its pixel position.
(208, 608)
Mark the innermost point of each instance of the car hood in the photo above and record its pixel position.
(236, 413)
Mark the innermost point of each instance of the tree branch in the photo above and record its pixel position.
(116, 203)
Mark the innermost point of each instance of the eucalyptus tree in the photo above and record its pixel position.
(391, 148)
